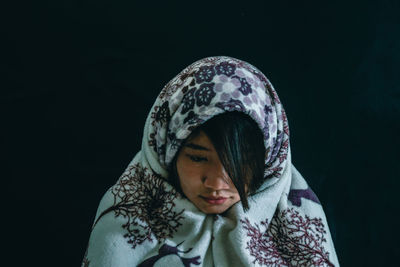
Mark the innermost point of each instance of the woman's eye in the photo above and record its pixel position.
(197, 159)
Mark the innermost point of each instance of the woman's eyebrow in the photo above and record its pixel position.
(197, 147)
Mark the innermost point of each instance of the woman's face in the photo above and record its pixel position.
(203, 178)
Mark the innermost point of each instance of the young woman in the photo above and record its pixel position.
(213, 184)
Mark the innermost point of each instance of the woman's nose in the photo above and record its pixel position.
(216, 178)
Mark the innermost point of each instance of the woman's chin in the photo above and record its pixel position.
(214, 209)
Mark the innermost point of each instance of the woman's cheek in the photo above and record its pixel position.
(186, 175)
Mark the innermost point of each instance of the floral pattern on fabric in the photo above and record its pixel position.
(267, 109)
(225, 68)
(175, 142)
(192, 118)
(188, 101)
(163, 114)
(231, 105)
(205, 94)
(205, 74)
(245, 87)
(224, 84)
(289, 240)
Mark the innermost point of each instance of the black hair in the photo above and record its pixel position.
(239, 143)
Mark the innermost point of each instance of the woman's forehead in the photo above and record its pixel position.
(200, 142)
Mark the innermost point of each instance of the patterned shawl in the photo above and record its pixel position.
(143, 221)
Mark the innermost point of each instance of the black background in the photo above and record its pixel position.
(79, 77)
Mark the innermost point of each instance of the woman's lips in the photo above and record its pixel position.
(215, 200)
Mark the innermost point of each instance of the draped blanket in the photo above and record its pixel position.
(143, 220)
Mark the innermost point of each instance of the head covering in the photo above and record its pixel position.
(143, 221)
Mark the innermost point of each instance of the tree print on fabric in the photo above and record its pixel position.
(295, 196)
(142, 199)
(289, 240)
(166, 250)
